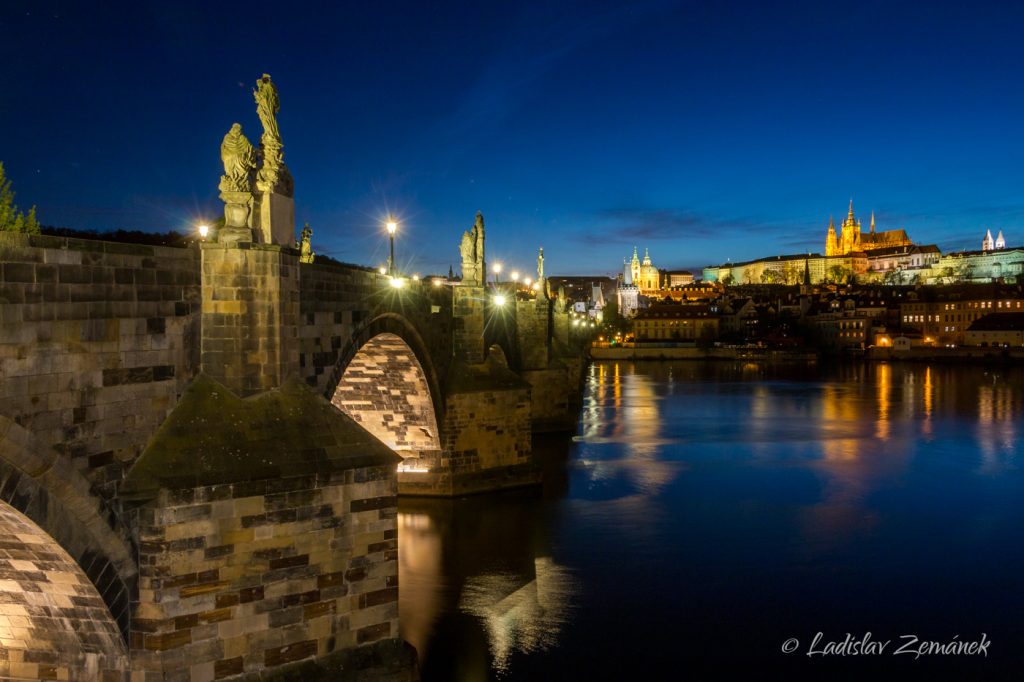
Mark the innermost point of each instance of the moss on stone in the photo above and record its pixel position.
(214, 437)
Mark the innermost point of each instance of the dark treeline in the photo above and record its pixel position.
(171, 238)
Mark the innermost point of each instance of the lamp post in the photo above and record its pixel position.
(392, 227)
(497, 271)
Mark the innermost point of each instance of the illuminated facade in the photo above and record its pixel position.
(947, 322)
(1005, 264)
(644, 275)
(676, 323)
(628, 293)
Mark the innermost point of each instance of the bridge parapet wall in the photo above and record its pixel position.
(97, 341)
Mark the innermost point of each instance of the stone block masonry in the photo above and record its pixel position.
(250, 313)
(266, 533)
(240, 578)
(97, 341)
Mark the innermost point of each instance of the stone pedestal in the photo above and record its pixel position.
(237, 218)
(533, 333)
(276, 219)
(469, 303)
(250, 311)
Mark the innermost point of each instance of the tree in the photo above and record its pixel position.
(893, 277)
(728, 280)
(837, 274)
(12, 220)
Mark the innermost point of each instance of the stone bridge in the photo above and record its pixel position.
(200, 450)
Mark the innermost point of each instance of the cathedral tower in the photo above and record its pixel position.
(831, 244)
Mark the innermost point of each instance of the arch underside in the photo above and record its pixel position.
(385, 389)
(43, 486)
(53, 622)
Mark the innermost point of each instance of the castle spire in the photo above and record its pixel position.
(872, 222)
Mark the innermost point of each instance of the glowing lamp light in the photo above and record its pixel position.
(415, 278)
(499, 300)
(497, 268)
(536, 286)
(392, 227)
(204, 230)
(515, 275)
(437, 281)
(383, 271)
(527, 281)
(396, 282)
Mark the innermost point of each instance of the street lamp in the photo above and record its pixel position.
(497, 271)
(526, 282)
(499, 300)
(392, 227)
(515, 275)
(204, 230)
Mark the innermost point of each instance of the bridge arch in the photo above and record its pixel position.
(40, 484)
(386, 381)
(53, 615)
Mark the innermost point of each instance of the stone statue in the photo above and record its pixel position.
(540, 265)
(471, 248)
(267, 105)
(563, 300)
(467, 249)
(274, 175)
(478, 227)
(239, 159)
(306, 254)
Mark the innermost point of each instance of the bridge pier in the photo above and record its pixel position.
(267, 535)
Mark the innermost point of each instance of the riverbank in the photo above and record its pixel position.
(973, 354)
(659, 352)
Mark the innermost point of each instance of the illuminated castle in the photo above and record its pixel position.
(851, 240)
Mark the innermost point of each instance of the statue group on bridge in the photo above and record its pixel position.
(247, 169)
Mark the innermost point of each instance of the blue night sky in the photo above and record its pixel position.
(704, 131)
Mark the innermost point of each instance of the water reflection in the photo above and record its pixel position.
(518, 616)
(710, 508)
(479, 585)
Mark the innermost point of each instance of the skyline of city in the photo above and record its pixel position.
(708, 134)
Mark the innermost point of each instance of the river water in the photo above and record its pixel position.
(705, 514)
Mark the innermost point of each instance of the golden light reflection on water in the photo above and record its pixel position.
(521, 614)
(634, 421)
(927, 398)
(420, 571)
(883, 391)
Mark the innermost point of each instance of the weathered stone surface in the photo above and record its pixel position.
(214, 437)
